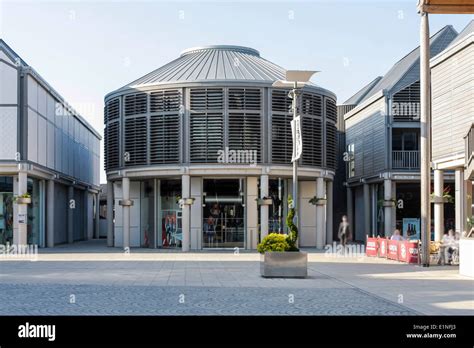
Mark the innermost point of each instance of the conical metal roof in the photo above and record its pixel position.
(214, 63)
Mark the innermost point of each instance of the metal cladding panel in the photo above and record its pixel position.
(51, 108)
(8, 131)
(32, 136)
(32, 93)
(5, 57)
(215, 63)
(50, 146)
(366, 130)
(42, 136)
(8, 84)
(331, 145)
(42, 101)
(64, 153)
(58, 161)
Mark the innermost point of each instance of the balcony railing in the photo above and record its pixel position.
(405, 159)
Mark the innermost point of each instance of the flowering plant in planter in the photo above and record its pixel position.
(280, 254)
(281, 242)
(447, 196)
(23, 198)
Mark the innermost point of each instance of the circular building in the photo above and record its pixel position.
(191, 146)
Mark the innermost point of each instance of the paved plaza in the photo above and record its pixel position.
(90, 279)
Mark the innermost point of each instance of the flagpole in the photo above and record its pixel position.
(295, 161)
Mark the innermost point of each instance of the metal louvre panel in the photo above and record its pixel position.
(207, 99)
(111, 144)
(136, 104)
(135, 140)
(282, 146)
(331, 145)
(312, 141)
(244, 98)
(407, 102)
(206, 136)
(245, 132)
(311, 104)
(112, 110)
(331, 110)
(164, 138)
(165, 101)
(280, 101)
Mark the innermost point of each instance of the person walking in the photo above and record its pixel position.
(344, 232)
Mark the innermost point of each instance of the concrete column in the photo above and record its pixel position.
(88, 216)
(70, 214)
(196, 214)
(320, 218)
(329, 212)
(438, 204)
(126, 212)
(394, 206)
(425, 131)
(186, 211)
(50, 214)
(97, 217)
(350, 210)
(388, 204)
(251, 212)
(263, 208)
(367, 226)
(20, 233)
(110, 213)
(460, 201)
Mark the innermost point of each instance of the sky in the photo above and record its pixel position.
(86, 49)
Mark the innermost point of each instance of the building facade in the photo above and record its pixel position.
(382, 132)
(198, 154)
(452, 89)
(49, 154)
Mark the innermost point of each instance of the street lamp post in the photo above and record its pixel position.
(295, 79)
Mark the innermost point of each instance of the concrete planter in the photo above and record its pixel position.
(264, 201)
(287, 264)
(23, 200)
(435, 199)
(466, 257)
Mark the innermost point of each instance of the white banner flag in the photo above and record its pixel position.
(299, 141)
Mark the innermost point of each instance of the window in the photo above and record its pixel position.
(405, 140)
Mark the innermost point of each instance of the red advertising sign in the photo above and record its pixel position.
(392, 250)
(372, 247)
(408, 251)
(402, 251)
(382, 247)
